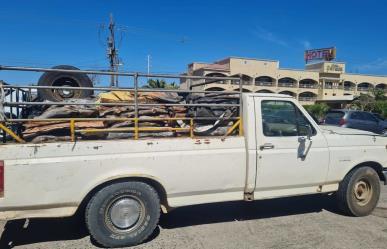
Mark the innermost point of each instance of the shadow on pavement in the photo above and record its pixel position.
(231, 211)
(41, 230)
(45, 230)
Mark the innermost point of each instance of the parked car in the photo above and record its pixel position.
(356, 120)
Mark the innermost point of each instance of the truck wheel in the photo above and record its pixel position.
(123, 214)
(66, 80)
(359, 192)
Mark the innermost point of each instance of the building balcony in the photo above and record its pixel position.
(310, 86)
(283, 84)
(244, 83)
(364, 89)
(381, 88)
(307, 99)
(264, 83)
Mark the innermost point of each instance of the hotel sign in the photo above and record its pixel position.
(325, 54)
(335, 68)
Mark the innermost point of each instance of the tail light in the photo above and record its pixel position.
(342, 122)
(1, 178)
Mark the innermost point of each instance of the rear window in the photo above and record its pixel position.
(333, 117)
(335, 114)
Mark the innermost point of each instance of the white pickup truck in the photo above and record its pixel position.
(122, 185)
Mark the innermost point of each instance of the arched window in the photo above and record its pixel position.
(308, 83)
(349, 86)
(287, 82)
(215, 80)
(381, 86)
(264, 91)
(218, 89)
(364, 87)
(243, 90)
(307, 96)
(246, 80)
(264, 81)
(288, 93)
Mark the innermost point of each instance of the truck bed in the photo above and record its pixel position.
(60, 175)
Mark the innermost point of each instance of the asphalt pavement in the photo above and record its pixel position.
(296, 222)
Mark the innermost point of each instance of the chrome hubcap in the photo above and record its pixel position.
(125, 213)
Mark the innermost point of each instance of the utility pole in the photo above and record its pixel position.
(148, 67)
(112, 53)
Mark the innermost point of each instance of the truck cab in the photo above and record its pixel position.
(290, 150)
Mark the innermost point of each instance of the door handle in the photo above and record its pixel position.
(266, 146)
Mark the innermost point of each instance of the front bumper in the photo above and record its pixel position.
(385, 176)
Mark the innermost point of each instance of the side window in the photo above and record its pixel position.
(356, 115)
(283, 119)
(303, 124)
(369, 117)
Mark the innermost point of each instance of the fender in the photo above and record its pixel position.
(101, 182)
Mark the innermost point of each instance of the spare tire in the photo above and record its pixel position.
(64, 79)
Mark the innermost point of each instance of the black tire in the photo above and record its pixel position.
(105, 216)
(359, 192)
(64, 79)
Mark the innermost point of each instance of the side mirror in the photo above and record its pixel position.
(309, 131)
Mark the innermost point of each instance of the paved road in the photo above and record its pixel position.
(298, 222)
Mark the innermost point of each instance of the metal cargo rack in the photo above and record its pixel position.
(6, 123)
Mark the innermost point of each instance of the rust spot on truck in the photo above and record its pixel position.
(198, 141)
(207, 141)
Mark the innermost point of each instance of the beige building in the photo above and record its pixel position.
(321, 82)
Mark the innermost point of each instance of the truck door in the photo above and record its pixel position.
(292, 153)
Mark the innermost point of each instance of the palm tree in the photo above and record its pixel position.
(155, 83)
(317, 110)
(160, 84)
(379, 94)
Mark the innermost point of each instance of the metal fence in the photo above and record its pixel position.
(17, 104)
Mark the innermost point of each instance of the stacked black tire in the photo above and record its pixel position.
(64, 79)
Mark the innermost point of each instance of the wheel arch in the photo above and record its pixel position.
(375, 165)
(145, 179)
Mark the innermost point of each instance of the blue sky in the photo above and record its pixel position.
(175, 33)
